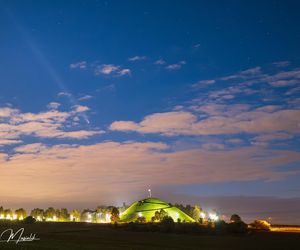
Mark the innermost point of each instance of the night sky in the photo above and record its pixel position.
(197, 100)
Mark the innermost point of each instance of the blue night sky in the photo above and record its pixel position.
(197, 100)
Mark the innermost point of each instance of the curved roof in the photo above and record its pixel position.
(147, 208)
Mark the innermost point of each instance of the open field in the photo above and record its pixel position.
(73, 236)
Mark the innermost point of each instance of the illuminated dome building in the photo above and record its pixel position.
(146, 208)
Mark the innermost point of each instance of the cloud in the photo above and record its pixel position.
(64, 94)
(256, 75)
(108, 69)
(48, 124)
(80, 108)
(264, 139)
(196, 46)
(221, 119)
(123, 72)
(137, 58)
(53, 105)
(285, 83)
(30, 148)
(79, 65)
(7, 112)
(282, 63)
(176, 66)
(85, 97)
(160, 62)
(71, 172)
(169, 123)
(203, 82)
(104, 69)
(245, 74)
(4, 142)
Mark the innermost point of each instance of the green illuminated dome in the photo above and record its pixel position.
(147, 207)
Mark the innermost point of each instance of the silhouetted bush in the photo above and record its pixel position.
(237, 227)
(167, 224)
(29, 220)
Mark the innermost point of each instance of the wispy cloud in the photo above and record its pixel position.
(111, 69)
(160, 62)
(53, 105)
(85, 97)
(282, 63)
(64, 94)
(196, 46)
(4, 142)
(79, 65)
(137, 58)
(176, 66)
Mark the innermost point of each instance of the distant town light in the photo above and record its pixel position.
(107, 217)
(140, 214)
(213, 217)
(202, 215)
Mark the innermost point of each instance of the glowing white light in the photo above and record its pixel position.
(14, 216)
(140, 214)
(1, 216)
(107, 217)
(54, 218)
(8, 217)
(89, 216)
(39, 218)
(21, 218)
(213, 217)
(71, 217)
(202, 215)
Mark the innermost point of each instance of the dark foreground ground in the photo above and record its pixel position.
(73, 236)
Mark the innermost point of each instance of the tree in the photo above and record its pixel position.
(141, 219)
(37, 213)
(235, 218)
(196, 213)
(63, 215)
(75, 215)
(115, 215)
(162, 214)
(88, 215)
(50, 214)
(21, 213)
(1, 213)
(157, 215)
(8, 214)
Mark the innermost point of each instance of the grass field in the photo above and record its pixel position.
(73, 236)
